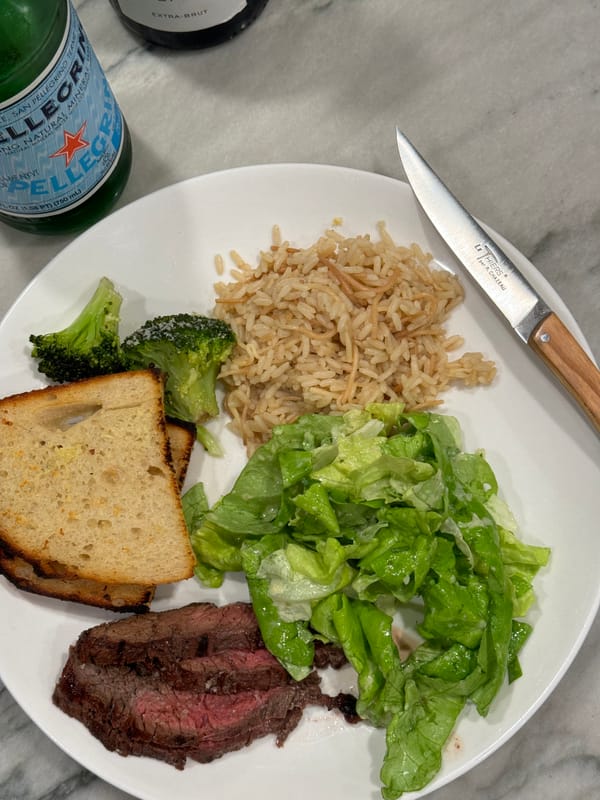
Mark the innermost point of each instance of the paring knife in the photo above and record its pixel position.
(527, 313)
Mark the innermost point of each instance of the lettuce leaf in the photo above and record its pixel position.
(339, 521)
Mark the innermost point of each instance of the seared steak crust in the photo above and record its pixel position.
(227, 672)
(329, 655)
(197, 629)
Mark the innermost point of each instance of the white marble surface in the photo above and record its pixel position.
(504, 99)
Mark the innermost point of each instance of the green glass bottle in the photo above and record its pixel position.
(65, 150)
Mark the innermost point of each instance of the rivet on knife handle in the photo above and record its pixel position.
(560, 351)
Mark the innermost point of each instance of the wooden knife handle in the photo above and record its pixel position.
(560, 351)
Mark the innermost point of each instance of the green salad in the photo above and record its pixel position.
(341, 521)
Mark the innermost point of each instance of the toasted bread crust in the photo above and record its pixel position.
(115, 597)
(182, 436)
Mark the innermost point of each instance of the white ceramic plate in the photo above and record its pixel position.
(160, 252)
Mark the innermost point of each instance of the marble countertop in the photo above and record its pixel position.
(504, 98)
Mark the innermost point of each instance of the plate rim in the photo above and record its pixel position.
(524, 263)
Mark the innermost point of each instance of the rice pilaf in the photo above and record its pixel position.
(337, 325)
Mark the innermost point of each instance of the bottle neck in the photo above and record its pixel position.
(30, 34)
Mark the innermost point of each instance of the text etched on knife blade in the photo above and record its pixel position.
(492, 264)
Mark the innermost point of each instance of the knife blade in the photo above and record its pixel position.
(534, 322)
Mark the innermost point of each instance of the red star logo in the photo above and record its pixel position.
(73, 143)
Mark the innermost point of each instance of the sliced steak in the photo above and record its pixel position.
(143, 715)
(197, 629)
(227, 672)
(160, 638)
(195, 682)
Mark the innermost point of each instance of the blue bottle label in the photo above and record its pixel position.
(60, 138)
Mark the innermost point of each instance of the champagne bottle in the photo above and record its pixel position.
(188, 23)
(65, 150)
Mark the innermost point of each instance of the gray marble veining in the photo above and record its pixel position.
(503, 98)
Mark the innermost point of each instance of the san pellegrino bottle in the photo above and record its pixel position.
(188, 23)
(65, 150)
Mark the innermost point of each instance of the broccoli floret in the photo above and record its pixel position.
(89, 346)
(189, 349)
